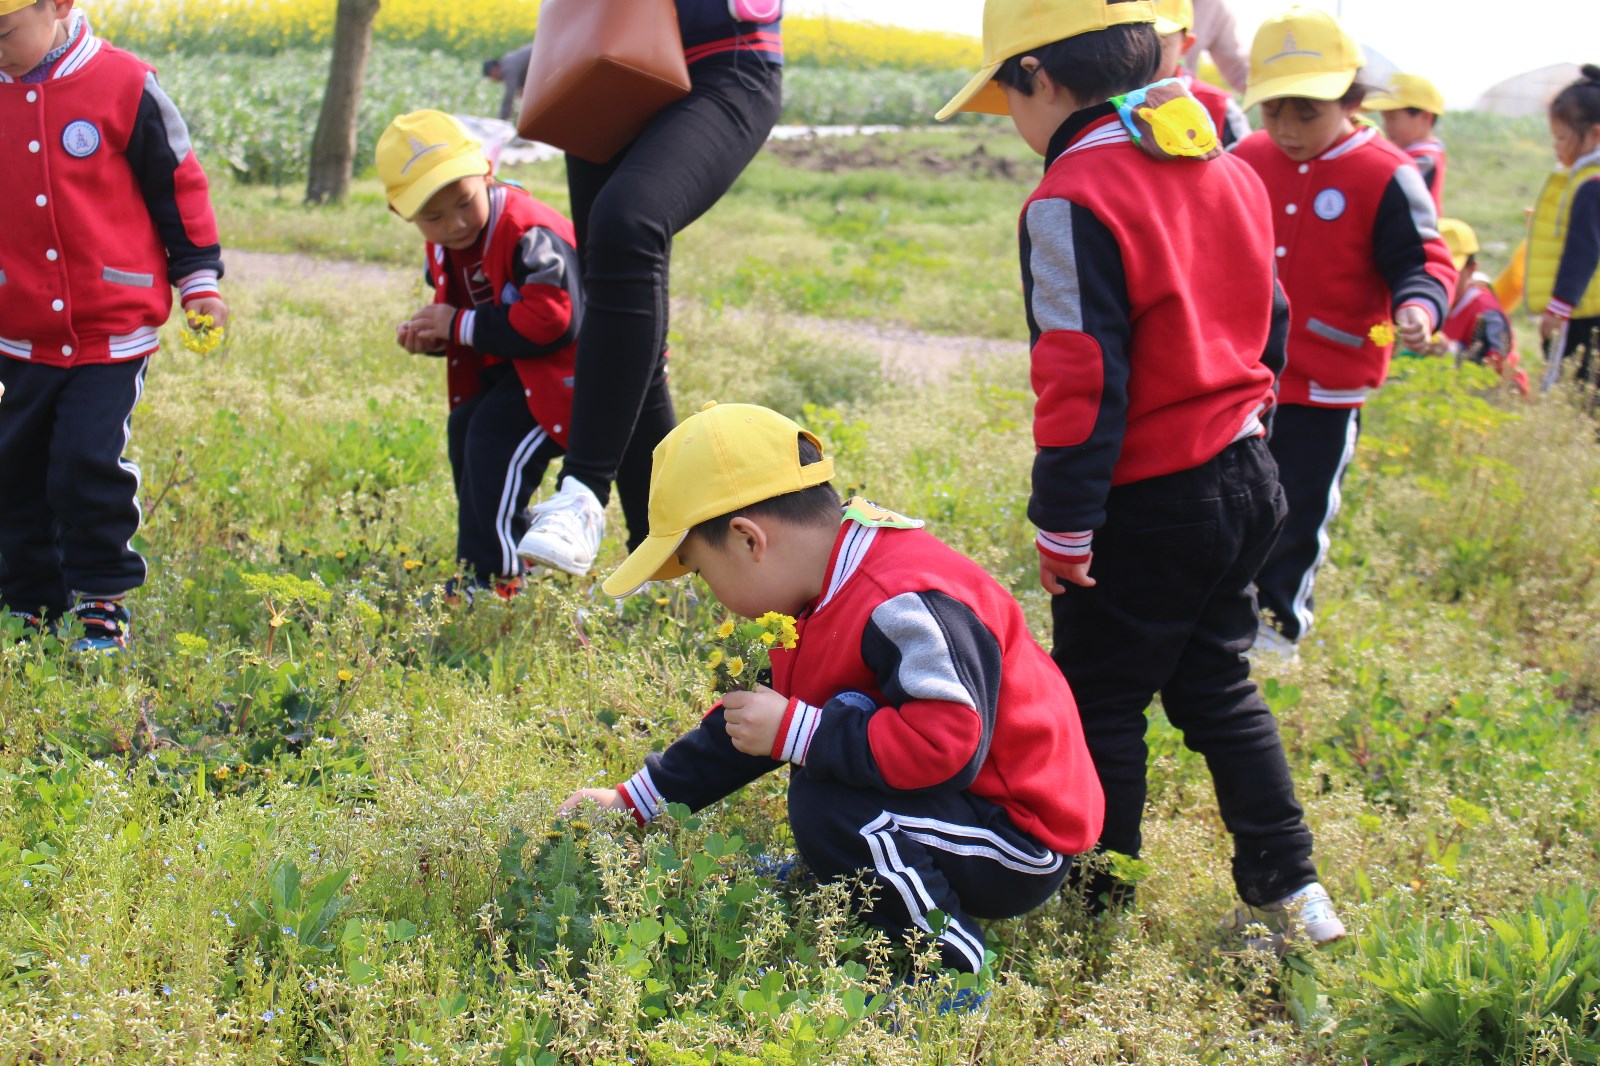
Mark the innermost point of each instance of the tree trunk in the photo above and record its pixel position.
(333, 149)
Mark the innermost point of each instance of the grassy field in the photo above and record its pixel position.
(311, 817)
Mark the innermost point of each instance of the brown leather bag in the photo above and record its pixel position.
(600, 70)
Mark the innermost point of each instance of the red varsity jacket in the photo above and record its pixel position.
(915, 670)
(1157, 326)
(530, 310)
(102, 203)
(1357, 239)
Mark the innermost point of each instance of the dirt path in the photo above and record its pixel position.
(901, 350)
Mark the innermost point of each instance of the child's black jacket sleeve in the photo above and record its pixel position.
(544, 310)
(1078, 316)
(938, 668)
(698, 769)
(1580, 256)
(175, 191)
(1407, 248)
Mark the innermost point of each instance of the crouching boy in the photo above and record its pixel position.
(932, 744)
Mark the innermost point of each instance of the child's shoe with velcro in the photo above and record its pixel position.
(1305, 917)
(105, 626)
(566, 530)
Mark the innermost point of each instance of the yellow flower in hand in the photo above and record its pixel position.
(203, 336)
(735, 666)
(1382, 334)
(725, 630)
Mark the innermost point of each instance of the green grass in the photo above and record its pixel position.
(303, 741)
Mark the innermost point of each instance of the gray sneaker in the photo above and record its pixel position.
(566, 530)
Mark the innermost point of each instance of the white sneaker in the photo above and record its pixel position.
(1271, 642)
(1304, 915)
(566, 530)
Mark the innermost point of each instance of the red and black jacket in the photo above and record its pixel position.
(1157, 325)
(915, 671)
(102, 209)
(529, 311)
(1357, 239)
(1479, 325)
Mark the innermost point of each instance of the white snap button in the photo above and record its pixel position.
(33, 146)
(453, 362)
(527, 392)
(556, 429)
(41, 199)
(32, 96)
(1282, 251)
(66, 349)
(455, 399)
(52, 255)
(1305, 168)
(56, 305)
(1290, 209)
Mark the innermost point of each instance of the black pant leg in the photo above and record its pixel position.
(1312, 447)
(504, 455)
(628, 212)
(30, 544)
(947, 851)
(1582, 343)
(93, 487)
(1213, 701)
(656, 420)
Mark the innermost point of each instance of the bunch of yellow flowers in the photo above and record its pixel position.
(742, 651)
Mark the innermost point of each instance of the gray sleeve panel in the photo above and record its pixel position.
(1057, 291)
(171, 120)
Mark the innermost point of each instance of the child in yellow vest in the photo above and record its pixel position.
(1563, 258)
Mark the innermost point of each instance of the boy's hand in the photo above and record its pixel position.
(1411, 323)
(432, 325)
(1053, 571)
(406, 335)
(208, 305)
(608, 798)
(752, 719)
(1549, 325)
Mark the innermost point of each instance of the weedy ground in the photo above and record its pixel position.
(311, 817)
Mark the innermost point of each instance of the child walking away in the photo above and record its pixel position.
(1477, 329)
(1564, 235)
(506, 305)
(1411, 107)
(1157, 329)
(1175, 27)
(1357, 244)
(932, 744)
(103, 208)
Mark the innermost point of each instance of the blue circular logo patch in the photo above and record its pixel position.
(81, 139)
(1329, 204)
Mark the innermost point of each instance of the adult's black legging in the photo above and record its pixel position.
(627, 212)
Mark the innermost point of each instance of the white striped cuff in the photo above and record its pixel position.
(802, 728)
(1559, 308)
(466, 322)
(1072, 546)
(640, 793)
(1337, 397)
(200, 284)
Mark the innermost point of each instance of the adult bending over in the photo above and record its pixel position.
(627, 212)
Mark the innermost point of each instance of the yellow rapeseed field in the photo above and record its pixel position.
(480, 29)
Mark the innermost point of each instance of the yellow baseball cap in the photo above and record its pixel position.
(8, 7)
(421, 153)
(1174, 16)
(1459, 238)
(724, 457)
(1012, 27)
(1302, 52)
(1407, 90)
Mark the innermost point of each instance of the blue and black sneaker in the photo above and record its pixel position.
(105, 626)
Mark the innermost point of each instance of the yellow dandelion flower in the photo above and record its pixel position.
(769, 638)
(735, 666)
(714, 658)
(221, 772)
(725, 630)
(1382, 334)
(412, 564)
(345, 675)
